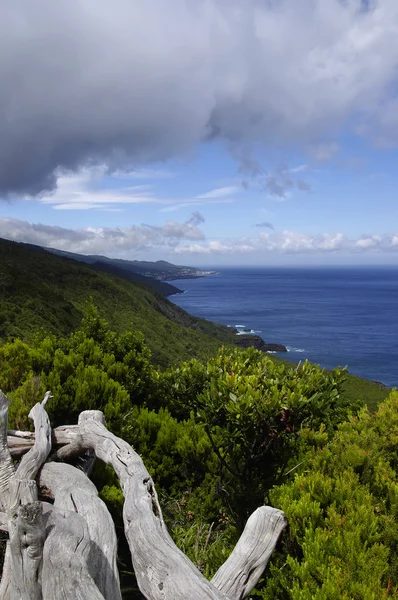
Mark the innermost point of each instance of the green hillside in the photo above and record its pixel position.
(159, 270)
(41, 290)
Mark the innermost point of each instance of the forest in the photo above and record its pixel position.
(221, 437)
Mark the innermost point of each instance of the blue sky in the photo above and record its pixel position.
(231, 135)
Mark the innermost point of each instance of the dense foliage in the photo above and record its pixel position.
(224, 436)
(342, 509)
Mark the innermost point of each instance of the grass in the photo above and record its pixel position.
(371, 392)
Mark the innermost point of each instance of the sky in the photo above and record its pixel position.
(203, 132)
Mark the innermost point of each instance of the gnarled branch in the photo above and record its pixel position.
(72, 547)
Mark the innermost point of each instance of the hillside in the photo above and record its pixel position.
(39, 289)
(160, 270)
(42, 290)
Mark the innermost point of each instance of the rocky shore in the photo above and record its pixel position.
(255, 341)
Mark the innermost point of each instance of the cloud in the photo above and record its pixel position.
(186, 238)
(129, 84)
(94, 188)
(223, 192)
(264, 225)
(90, 188)
(113, 241)
(324, 152)
(188, 230)
(371, 241)
(196, 219)
(293, 242)
(278, 183)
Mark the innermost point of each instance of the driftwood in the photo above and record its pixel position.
(62, 541)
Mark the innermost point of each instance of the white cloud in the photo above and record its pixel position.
(89, 189)
(113, 241)
(372, 241)
(223, 192)
(93, 188)
(293, 242)
(187, 238)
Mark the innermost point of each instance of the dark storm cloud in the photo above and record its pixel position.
(127, 83)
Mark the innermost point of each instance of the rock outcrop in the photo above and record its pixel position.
(248, 341)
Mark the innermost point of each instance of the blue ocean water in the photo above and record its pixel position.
(331, 316)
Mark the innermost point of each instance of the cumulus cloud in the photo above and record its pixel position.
(116, 241)
(127, 84)
(187, 238)
(293, 242)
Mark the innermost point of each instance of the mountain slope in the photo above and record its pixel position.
(160, 269)
(39, 289)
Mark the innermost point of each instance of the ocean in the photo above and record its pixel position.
(332, 316)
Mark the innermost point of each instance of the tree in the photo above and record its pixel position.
(62, 541)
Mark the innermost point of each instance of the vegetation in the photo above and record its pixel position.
(41, 290)
(160, 270)
(224, 436)
(220, 433)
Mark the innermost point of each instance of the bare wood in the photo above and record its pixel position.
(5, 583)
(18, 447)
(3, 521)
(72, 490)
(6, 465)
(26, 525)
(57, 477)
(66, 553)
(75, 548)
(26, 545)
(163, 572)
(19, 442)
(33, 460)
(241, 572)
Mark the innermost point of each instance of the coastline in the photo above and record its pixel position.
(327, 316)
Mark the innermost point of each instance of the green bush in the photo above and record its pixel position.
(253, 411)
(93, 368)
(343, 535)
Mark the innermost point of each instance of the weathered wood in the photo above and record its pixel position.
(68, 550)
(72, 490)
(65, 573)
(163, 572)
(26, 543)
(3, 521)
(37, 455)
(5, 583)
(7, 471)
(19, 442)
(6, 465)
(241, 572)
(26, 525)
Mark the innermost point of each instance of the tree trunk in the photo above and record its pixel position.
(67, 550)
